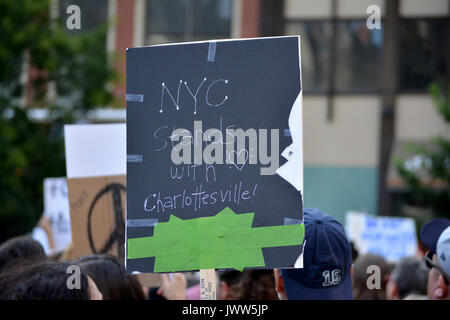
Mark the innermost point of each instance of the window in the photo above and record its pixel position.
(424, 52)
(315, 53)
(357, 58)
(186, 20)
(93, 14)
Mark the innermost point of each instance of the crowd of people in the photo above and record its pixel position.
(332, 270)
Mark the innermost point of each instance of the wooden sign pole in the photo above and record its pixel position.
(208, 284)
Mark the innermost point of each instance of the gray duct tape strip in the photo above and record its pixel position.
(212, 51)
(289, 221)
(135, 97)
(133, 223)
(135, 158)
(287, 132)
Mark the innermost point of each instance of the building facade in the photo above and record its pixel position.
(343, 63)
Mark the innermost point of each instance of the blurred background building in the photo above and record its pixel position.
(366, 92)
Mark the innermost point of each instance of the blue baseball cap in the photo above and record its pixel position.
(431, 231)
(327, 260)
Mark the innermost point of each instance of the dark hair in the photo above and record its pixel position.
(410, 275)
(233, 281)
(231, 277)
(110, 276)
(42, 281)
(355, 252)
(23, 250)
(258, 285)
(360, 276)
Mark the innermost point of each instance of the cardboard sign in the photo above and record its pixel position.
(95, 150)
(56, 209)
(390, 237)
(95, 161)
(97, 193)
(97, 208)
(214, 155)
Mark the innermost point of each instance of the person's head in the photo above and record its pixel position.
(409, 276)
(20, 250)
(257, 285)
(327, 261)
(46, 281)
(355, 252)
(436, 237)
(368, 265)
(110, 276)
(230, 282)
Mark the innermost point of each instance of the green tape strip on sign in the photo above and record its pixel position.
(226, 240)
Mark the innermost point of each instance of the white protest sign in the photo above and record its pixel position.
(392, 238)
(40, 236)
(94, 150)
(56, 209)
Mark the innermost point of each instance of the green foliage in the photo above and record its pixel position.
(29, 151)
(431, 163)
(441, 97)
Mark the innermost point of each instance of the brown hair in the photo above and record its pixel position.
(257, 285)
(108, 273)
(19, 251)
(361, 274)
(44, 280)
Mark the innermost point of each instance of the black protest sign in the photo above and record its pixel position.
(210, 127)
